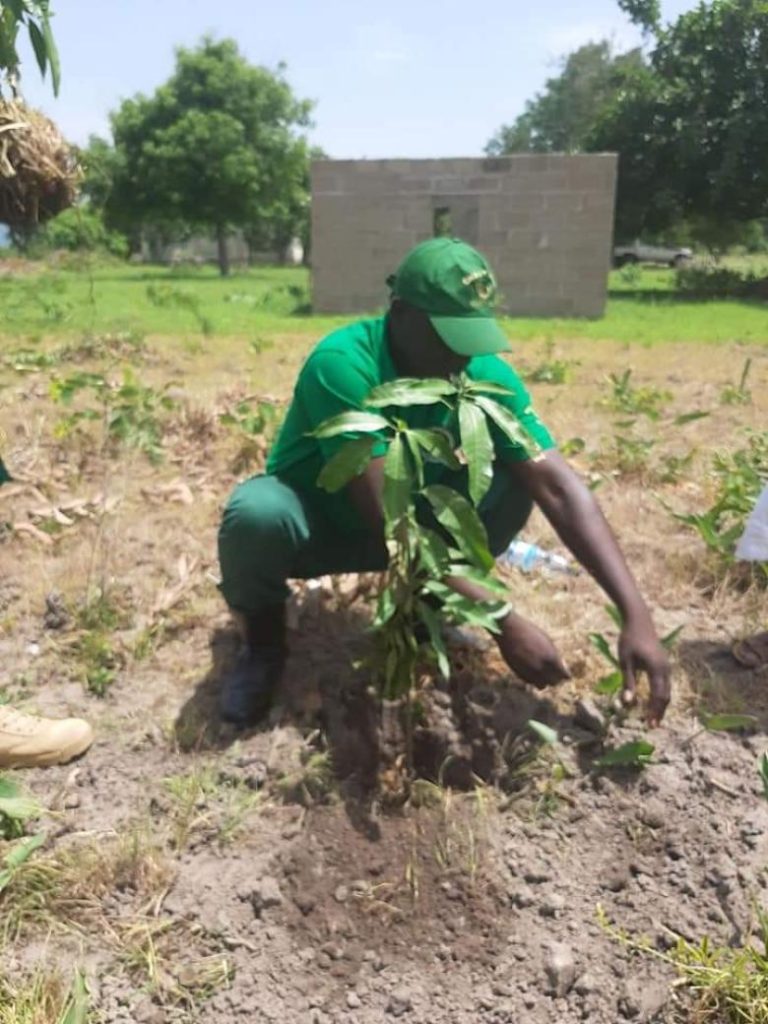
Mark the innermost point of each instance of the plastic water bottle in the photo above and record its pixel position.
(530, 558)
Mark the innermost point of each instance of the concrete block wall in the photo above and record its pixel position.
(545, 222)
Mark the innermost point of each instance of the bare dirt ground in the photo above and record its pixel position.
(197, 875)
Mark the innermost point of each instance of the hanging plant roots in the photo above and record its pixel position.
(39, 173)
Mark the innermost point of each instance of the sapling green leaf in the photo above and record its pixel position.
(438, 444)
(610, 685)
(408, 391)
(477, 446)
(431, 620)
(482, 579)
(599, 641)
(484, 387)
(385, 608)
(346, 464)
(416, 459)
(507, 422)
(398, 481)
(350, 423)
(459, 518)
(434, 553)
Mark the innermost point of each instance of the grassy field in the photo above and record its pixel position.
(40, 302)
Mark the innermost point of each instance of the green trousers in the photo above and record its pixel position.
(270, 533)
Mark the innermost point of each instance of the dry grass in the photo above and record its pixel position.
(40, 997)
(74, 888)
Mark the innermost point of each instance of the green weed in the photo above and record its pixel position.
(129, 413)
(740, 476)
(254, 417)
(551, 370)
(169, 296)
(738, 394)
(635, 401)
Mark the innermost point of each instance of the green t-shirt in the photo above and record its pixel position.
(338, 376)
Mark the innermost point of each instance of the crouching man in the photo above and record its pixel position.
(281, 525)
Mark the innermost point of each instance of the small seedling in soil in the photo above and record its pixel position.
(610, 684)
(129, 413)
(551, 370)
(738, 394)
(740, 477)
(636, 755)
(763, 770)
(634, 401)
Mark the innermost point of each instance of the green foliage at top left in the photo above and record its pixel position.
(35, 17)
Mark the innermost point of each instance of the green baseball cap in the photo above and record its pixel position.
(455, 286)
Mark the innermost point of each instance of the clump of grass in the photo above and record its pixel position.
(98, 618)
(42, 997)
(740, 475)
(207, 800)
(66, 889)
(729, 985)
(156, 954)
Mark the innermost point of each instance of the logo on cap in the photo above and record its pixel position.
(482, 284)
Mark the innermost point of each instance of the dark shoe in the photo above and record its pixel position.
(248, 691)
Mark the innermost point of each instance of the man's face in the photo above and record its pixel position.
(417, 349)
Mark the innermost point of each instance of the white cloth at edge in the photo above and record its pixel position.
(753, 546)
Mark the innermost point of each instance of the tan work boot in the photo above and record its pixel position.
(27, 741)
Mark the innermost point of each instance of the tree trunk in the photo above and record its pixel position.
(221, 239)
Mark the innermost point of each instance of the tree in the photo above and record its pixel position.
(561, 117)
(35, 16)
(645, 13)
(216, 148)
(691, 128)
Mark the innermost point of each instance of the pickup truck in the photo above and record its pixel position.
(639, 252)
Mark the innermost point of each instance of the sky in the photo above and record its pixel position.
(405, 78)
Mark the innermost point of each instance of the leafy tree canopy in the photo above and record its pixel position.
(216, 147)
(35, 17)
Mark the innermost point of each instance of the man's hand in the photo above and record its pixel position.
(573, 512)
(640, 651)
(529, 652)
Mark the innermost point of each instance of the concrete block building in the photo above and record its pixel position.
(544, 221)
